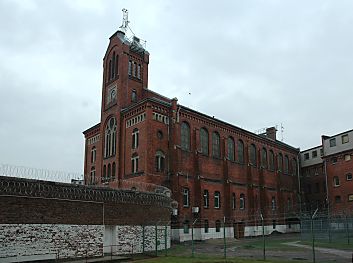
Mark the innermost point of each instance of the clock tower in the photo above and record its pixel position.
(125, 77)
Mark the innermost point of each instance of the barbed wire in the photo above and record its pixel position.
(38, 173)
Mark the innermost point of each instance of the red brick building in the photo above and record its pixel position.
(327, 174)
(217, 172)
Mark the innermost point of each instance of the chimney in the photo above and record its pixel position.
(271, 133)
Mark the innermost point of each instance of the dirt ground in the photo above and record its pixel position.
(280, 247)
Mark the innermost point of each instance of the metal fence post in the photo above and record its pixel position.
(156, 239)
(329, 229)
(143, 239)
(192, 241)
(312, 233)
(263, 236)
(224, 238)
(347, 229)
(165, 240)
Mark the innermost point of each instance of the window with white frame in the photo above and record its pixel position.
(135, 138)
(134, 163)
(242, 201)
(93, 175)
(93, 154)
(336, 181)
(217, 199)
(233, 201)
(186, 197)
(159, 161)
(206, 198)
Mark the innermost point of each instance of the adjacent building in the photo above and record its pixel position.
(327, 175)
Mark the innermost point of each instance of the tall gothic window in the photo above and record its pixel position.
(113, 171)
(93, 154)
(252, 153)
(216, 151)
(241, 151)
(271, 160)
(110, 138)
(231, 147)
(135, 138)
(294, 167)
(109, 173)
(286, 165)
(160, 161)
(264, 158)
(280, 162)
(185, 136)
(204, 141)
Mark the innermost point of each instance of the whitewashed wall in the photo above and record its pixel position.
(24, 242)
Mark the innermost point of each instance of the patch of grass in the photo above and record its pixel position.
(326, 244)
(205, 259)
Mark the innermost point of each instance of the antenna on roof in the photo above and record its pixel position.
(282, 131)
(125, 23)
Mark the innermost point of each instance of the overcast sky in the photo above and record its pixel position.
(254, 64)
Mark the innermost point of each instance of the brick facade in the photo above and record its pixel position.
(158, 121)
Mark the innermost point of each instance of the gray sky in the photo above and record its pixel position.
(251, 63)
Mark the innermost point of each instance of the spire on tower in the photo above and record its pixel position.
(125, 23)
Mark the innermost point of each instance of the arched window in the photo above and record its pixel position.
(234, 204)
(271, 160)
(286, 165)
(116, 71)
(93, 154)
(280, 162)
(109, 70)
(134, 163)
(160, 160)
(113, 171)
(252, 153)
(135, 138)
(185, 136)
(204, 141)
(294, 167)
(139, 71)
(240, 151)
(264, 158)
(93, 175)
(216, 151)
(231, 147)
(103, 178)
(112, 75)
(218, 226)
(242, 201)
(130, 68)
(109, 172)
(133, 96)
(110, 138)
